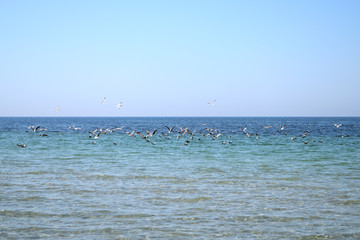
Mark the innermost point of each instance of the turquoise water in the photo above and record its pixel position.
(68, 186)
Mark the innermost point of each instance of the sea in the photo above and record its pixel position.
(192, 178)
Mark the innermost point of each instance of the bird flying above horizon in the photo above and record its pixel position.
(212, 103)
(119, 105)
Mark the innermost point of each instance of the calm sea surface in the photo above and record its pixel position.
(251, 184)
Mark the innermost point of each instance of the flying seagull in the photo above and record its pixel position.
(34, 128)
(212, 103)
(170, 129)
(103, 100)
(119, 105)
(57, 109)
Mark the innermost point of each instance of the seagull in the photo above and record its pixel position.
(21, 145)
(119, 105)
(170, 129)
(142, 136)
(149, 134)
(74, 128)
(57, 109)
(34, 128)
(96, 136)
(243, 130)
(119, 128)
(212, 103)
(103, 100)
(131, 134)
(337, 125)
(218, 135)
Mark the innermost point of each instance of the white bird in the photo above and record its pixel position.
(170, 129)
(103, 100)
(57, 109)
(212, 103)
(337, 125)
(218, 135)
(74, 128)
(243, 130)
(119, 105)
(34, 128)
(97, 135)
(131, 134)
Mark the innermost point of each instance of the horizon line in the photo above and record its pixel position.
(176, 116)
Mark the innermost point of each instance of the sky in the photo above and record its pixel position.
(171, 58)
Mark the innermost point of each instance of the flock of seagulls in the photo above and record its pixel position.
(181, 132)
(103, 101)
(169, 132)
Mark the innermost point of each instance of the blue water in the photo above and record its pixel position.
(263, 186)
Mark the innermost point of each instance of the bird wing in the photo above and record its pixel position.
(141, 135)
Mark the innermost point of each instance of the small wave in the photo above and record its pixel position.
(349, 202)
(9, 213)
(132, 216)
(335, 236)
(37, 172)
(288, 179)
(190, 200)
(150, 177)
(33, 198)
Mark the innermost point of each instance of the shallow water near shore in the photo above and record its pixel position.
(180, 186)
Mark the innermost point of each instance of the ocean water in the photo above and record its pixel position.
(259, 185)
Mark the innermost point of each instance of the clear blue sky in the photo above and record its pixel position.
(170, 58)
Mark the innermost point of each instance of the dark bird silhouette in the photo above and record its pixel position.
(170, 129)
